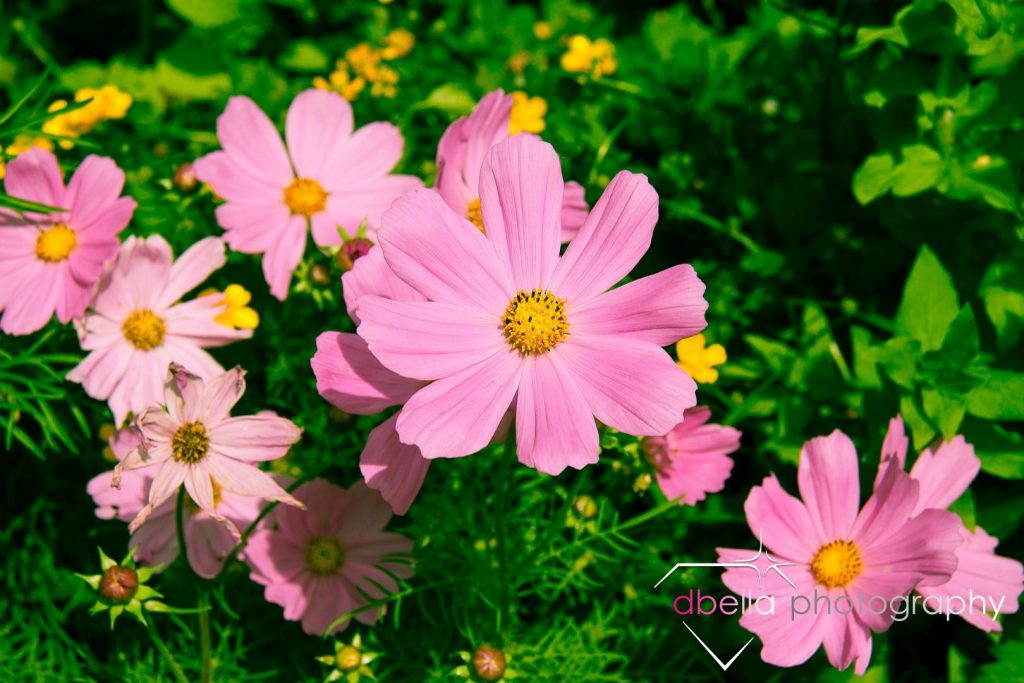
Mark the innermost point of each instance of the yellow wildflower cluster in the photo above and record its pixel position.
(594, 57)
(105, 103)
(364, 65)
(236, 313)
(23, 143)
(698, 359)
(527, 114)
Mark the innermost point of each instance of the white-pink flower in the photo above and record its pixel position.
(693, 459)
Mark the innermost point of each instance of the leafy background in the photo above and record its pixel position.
(845, 176)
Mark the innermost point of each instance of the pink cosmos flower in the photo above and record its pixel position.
(318, 562)
(327, 177)
(460, 158)
(208, 543)
(828, 549)
(136, 327)
(507, 320)
(195, 441)
(48, 262)
(944, 475)
(692, 460)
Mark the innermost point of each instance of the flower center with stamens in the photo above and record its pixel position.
(475, 215)
(56, 243)
(836, 564)
(144, 329)
(190, 443)
(324, 556)
(535, 321)
(305, 197)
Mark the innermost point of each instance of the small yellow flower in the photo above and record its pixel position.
(397, 43)
(527, 114)
(3, 169)
(382, 79)
(362, 57)
(542, 30)
(698, 359)
(586, 56)
(237, 314)
(518, 62)
(26, 141)
(342, 82)
(105, 103)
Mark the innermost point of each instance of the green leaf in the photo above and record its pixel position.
(304, 55)
(999, 397)
(945, 411)
(964, 506)
(1002, 290)
(1000, 450)
(930, 302)
(207, 13)
(874, 178)
(921, 429)
(776, 355)
(865, 358)
(449, 98)
(1009, 664)
(920, 170)
(899, 356)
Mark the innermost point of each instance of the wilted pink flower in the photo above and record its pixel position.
(48, 262)
(209, 544)
(460, 158)
(195, 441)
(508, 319)
(692, 460)
(328, 177)
(135, 327)
(828, 549)
(944, 475)
(316, 562)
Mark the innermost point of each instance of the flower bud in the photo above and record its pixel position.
(351, 251)
(185, 178)
(349, 658)
(320, 274)
(119, 584)
(489, 663)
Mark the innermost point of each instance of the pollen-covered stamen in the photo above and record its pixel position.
(305, 197)
(144, 329)
(535, 321)
(475, 214)
(836, 564)
(56, 243)
(190, 443)
(324, 556)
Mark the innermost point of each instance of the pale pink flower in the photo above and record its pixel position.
(208, 542)
(509, 321)
(829, 549)
(944, 474)
(48, 262)
(327, 177)
(317, 562)
(460, 158)
(692, 460)
(135, 327)
(195, 441)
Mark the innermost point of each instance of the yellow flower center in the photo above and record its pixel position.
(305, 197)
(349, 658)
(56, 243)
(144, 329)
(535, 321)
(324, 556)
(836, 564)
(475, 215)
(190, 443)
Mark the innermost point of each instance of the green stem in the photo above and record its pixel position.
(161, 647)
(505, 470)
(204, 636)
(179, 524)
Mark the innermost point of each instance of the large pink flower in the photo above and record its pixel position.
(208, 542)
(48, 262)
(327, 177)
(944, 475)
(507, 320)
(692, 460)
(460, 158)
(136, 328)
(318, 562)
(828, 549)
(195, 441)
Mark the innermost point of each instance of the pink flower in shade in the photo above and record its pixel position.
(944, 475)
(327, 177)
(317, 562)
(827, 548)
(508, 321)
(195, 441)
(460, 158)
(136, 328)
(692, 460)
(208, 543)
(48, 262)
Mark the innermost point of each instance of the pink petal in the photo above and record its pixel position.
(192, 323)
(220, 394)
(360, 206)
(94, 187)
(252, 141)
(364, 158)
(253, 229)
(253, 438)
(157, 539)
(364, 517)
(442, 255)
(165, 485)
(247, 480)
(191, 269)
(830, 484)
(274, 556)
(319, 123)
(34, 303)
(326, 504)
(782, 521)
(630, 385)
(614, 237)
(208, 544)
(521, 200)
(374, 549)
(238, 183)
(894, 446)
(328, 600)
(282, 258)
(464, 146)
(99, 244)
(459, 414)
(428, 340)
(554, 427)
(888, 508)
(772, 576)
(785, 641)
(698, 459)
(372, 275)
(574, 210)
(945, 473)
(35, 175)
(352, 378)
(74, 297)
(391, 467)
(199, 487)
(846, 639)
